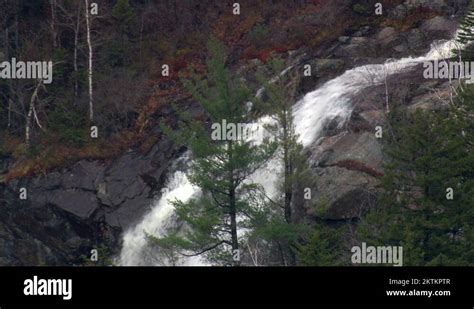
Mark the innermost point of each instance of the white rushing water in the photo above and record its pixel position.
(329, 102)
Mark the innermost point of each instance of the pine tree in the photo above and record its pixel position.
(466, 34)
(322, 246)
(123, 16)
(430, 154)
(220, 168)
(276, 231)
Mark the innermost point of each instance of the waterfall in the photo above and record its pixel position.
(332, 100)
(329, 102)
(135, 250)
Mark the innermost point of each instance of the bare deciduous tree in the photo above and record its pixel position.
(32, 111)
(377, 74)
(54, 34)
(74, 21)
(90, 72)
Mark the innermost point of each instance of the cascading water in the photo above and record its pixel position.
(135, 248)
(329, 102)
(332, 100)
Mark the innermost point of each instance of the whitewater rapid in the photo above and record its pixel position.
(329, 102)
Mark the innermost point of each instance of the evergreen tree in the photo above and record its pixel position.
(466, 34)
(430, 154)
(278, 237)
(276, 226)
(220, 167)
(321, 246)
(123, 16)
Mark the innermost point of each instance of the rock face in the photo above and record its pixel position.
(45, 235)
(69, 212)
(366, 45)
(343, 194)
(321, 70)
(347, 164)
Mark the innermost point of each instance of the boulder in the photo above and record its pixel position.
(344, 39)
(387, 35)
(341, 194)
(400, 48)
(362, 31)
(439, 25)
(346, 169)
(416, 41)
(399, 12)
(360, 147)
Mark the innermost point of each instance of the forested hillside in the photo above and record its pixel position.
(117, 152)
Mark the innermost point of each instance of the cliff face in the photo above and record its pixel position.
(70, 211)
(88, 204)
(347, 162)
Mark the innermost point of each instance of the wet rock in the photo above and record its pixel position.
(332, 127)
(129, 212)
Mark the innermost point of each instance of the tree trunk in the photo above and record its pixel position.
(387, 106)
(233, 207)
(89, 43)
(288, 190)
(233, 225)
(11, 95)
(53, 23)
(288, 177)
(76, 38)
(29, 117)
